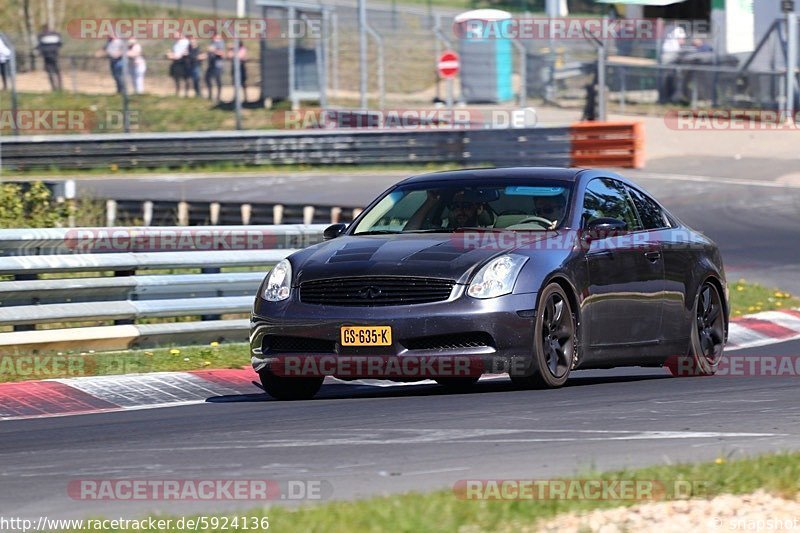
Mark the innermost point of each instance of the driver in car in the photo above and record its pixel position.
(550, 207)
(463, 211)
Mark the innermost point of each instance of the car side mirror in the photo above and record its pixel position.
(333, 231)
(602, 228)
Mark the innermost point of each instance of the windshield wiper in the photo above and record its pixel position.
(430, 230)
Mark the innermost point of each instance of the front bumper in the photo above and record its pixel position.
(506, 323)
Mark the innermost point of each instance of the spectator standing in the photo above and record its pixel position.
(179, 70)
(194, 59)
(49, 46)
(242, 67)
(216, 58)
(115, 50)
(137, 66)
(5, 62)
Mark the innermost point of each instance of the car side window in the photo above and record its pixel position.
(650, 213)
(607, 198)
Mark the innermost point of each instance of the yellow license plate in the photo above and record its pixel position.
(366, 335)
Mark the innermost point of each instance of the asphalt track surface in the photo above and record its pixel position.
(365, 440)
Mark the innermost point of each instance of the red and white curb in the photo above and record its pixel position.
(61, 397)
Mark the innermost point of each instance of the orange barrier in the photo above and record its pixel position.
(607, 144)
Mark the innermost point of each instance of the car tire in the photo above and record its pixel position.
(457, 384)
(284, 388)
(555, 341)
(707, 338)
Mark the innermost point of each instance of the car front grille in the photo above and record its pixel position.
(450, 342)
(371, 291)
(286, 344)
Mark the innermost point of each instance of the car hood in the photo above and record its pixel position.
(451, 256)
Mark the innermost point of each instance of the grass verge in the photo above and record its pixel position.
(748, 298)
(778, 474)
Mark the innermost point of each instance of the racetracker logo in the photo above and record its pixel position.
(578, 489)
(409, 119)
(189, 239)
(199, 28)
(23, 366)
(743, 366)
(574, 28)
(730, 120)
(378, 366)
(198, 489)
(66, 120)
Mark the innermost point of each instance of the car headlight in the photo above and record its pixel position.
(497, 277)
(279, 282)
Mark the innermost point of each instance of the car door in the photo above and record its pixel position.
(678, 264)
(626, 276)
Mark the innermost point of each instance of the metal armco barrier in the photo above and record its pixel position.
(134, 286)
(607, 144)
(525, 146)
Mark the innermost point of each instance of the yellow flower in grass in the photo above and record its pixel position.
(214, 344)
(739, 288)
(206, 363)
(720, 461)
(174, 351)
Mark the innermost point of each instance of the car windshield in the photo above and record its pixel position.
(437, 207)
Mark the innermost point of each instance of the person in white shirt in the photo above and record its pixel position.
(179, 69)
(5, 62)
(136, 65)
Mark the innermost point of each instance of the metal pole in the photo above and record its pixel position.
(292, 72)
(791, 63)
(237, 74)
(601, 81)
(381, 69)
(523, 72)
(362, 51)
(126, 124)
(12, 63)
(322, 59)
(335, 52)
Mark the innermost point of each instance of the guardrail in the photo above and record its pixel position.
(551, 146)
(124, 269)
(528, 146)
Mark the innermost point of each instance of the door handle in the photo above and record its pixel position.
(652, 256)
(602, 253)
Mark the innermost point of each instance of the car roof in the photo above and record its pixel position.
(549, 173)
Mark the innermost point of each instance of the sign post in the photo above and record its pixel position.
(448, 66)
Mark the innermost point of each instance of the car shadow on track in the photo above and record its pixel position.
(336, 391)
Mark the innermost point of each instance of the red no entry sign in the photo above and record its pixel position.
(448, 64)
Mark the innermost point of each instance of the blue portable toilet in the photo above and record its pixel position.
(486, 55)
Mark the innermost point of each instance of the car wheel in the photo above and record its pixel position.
(457, 384)
(283, 388)
(554, 341)
(708, 332)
